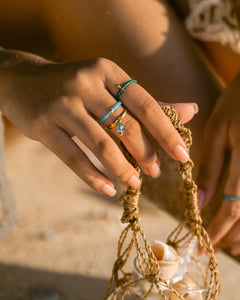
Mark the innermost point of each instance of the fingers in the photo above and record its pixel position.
(138, 145)
(149, 113)
(68, 151)
(83, 126)
(186, 111)
(221, 228)
(223, 221)
(214, 147)
(231, 241)
(134, 138)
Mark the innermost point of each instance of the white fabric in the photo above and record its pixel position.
(213, 20)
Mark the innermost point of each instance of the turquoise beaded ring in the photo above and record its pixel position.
(122, 88)
(118, 121)
(231, 198)
(112, 109)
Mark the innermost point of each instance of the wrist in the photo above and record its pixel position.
(15, 65)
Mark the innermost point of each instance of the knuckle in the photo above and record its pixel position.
(234, 211)
(168, 139)
(40, 127)
(72, 161)
(124, 174)
(103, 63)
(150, 157)
(105, 148)
(132, 127)
(231, 210)
(82, 84)
(92, 181)
(149, 107)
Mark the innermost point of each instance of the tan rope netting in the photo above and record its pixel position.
(122, 282)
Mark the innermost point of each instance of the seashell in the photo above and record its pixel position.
(163, 252)
(167, 258)
(189, 289)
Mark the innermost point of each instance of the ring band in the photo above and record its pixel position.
(116, 105)
(231, 198)
(118, 122)
(122, 88)
(112, 109)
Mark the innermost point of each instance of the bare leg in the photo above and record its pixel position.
(146, 40)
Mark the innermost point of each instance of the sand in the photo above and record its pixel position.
(66, 235)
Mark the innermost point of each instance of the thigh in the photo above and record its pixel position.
(147, 40)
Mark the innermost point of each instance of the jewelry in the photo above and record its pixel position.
(231, 198)
(118, 122)
(122, 88)
(112, 109)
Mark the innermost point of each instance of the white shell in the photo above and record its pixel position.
(164, 252)
(167, 258)
(188, 288)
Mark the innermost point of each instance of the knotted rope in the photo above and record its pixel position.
(121, 281)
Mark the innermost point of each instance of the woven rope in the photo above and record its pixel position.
(122, 282)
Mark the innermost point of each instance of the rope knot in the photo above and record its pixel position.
(130, 203)
(153, 278)
(119, 263)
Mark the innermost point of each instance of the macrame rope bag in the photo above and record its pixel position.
(189, 231)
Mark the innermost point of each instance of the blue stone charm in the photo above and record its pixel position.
(120, 128)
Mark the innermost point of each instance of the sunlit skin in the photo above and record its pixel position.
(148, 42)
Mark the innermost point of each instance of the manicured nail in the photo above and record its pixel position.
(108, 190)
(195, 107)
(181, 154)
(134, 181)
(154, 170)
(201, 199)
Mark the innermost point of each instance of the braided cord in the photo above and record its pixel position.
(122, 282)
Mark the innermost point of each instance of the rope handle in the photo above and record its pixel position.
(192, 219)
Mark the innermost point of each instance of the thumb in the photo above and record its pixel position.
(212, 160)
(186, 111)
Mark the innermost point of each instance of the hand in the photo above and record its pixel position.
(222, 135)
(52, 102)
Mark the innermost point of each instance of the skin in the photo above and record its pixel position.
(222, 133)
(67, 106)
(151, 57)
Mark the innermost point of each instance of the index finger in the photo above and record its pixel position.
(146, 109)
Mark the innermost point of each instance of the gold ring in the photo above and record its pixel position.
(118, 122)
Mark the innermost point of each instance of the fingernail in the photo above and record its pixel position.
(108, 190)
(195, 107)
(181, 154)
(134, 181)
(201, 199)
(154, 170)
